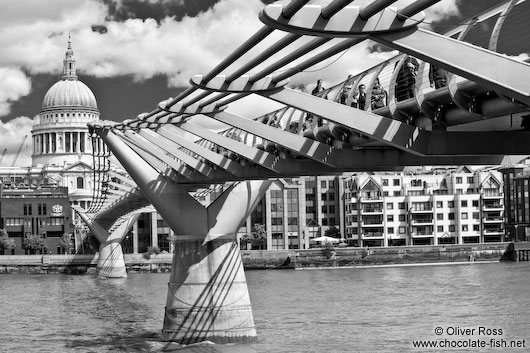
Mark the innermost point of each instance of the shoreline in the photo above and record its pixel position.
(419, 264)
(299, 259)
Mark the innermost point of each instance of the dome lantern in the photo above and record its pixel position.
(69, 63)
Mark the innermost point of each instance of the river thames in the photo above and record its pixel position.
(385, 309)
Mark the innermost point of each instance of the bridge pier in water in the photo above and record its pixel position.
(111, 263)
(207, 293)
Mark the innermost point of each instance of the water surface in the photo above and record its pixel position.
(336, 310)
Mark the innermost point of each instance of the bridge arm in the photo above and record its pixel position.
(403, 136)
(493, 70)
(160, 161)
(178, 137)
(262, 158)
(157, 147)
(301, 145)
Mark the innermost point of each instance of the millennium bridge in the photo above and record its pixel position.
(451, 98)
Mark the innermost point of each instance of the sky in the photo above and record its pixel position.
(136, 53)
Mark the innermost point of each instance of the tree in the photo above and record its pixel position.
(34, 242)
(259, 233)
(332, 232)
(245, 239)
(6, 244)
(66, 242)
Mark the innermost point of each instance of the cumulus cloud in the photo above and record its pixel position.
(15, 84)
(142, 48)
(15, 135)
(178, 48)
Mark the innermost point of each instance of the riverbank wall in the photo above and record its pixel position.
(276, 259)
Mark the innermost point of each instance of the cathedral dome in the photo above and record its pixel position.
(69, 93)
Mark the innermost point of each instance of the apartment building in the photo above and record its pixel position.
(424, 207)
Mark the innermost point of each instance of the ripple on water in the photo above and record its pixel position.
(335, 311)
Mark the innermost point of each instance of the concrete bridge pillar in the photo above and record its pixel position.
(111, 263)
(207, 293)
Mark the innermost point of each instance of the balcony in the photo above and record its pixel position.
(423, 234)
(372, 235)
(492, 196)
(371, 199)
(372, 211)
(493, 231)
(422, 222)
(493, 219)
(493, 207)
(371, 224)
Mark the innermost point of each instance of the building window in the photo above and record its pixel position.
(56, 221)
(451, 216)
(276, 221)
(402, 205)
(331, 196)
(440, 216)
(10, 222)
(324, 196)
(470, 180)
(451, 204)
(439, 204)
(41, 209)
(385, 182)
(451, 227)
(464, 215)
(27, 209)
(323, 184)
(402, 218)
(401, 230)
(476, 227)
(464, 203)
(475, 215)
(475, 203)
(396, 182)
(331, 209)
(389, 206)
(390, 230)
(440, 229)
(459, 180)
(464, 227)
(80, 183)
(390, 218)
(324, 209)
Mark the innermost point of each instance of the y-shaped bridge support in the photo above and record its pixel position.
(207, 296)
(110, 261)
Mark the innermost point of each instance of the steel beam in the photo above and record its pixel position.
(255, 155)
(403, 136)
(300, 145)
(495, 71)
(177, 135)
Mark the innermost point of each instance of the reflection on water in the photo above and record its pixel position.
(341, 310)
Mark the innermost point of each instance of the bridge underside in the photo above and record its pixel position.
(474, 112)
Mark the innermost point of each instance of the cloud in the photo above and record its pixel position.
(13, 135)
(142, 48)
(15, 84)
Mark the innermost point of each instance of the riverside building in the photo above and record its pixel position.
(43, 210)
(424, 207)
(517, 202)
(61, 160)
